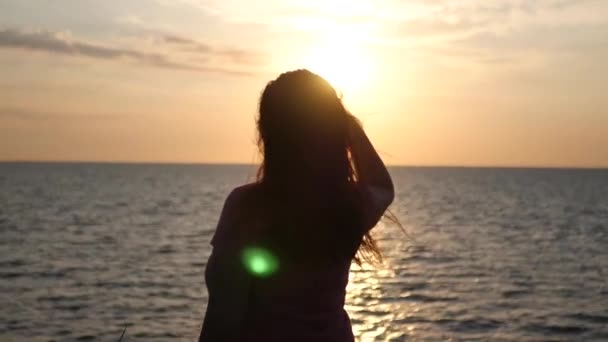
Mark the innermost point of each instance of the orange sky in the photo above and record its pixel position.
(509, 83)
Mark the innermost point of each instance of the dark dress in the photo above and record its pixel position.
(299, 302)
(293, 305)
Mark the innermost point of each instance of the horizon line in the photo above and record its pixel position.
(446, 166)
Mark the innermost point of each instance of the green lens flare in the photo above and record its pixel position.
(259, 261)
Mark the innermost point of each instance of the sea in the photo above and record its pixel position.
(488, 254)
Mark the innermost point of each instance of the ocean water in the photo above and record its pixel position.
(493, 254)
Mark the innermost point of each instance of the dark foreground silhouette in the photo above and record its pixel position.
(284, 244)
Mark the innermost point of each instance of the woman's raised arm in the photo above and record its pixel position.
(372, 176)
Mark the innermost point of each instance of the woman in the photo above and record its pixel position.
(284, 244)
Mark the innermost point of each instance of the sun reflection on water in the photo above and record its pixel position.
(374, 297)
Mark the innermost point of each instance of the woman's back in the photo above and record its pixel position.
(303, 298)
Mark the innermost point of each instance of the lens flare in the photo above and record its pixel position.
(260, 262)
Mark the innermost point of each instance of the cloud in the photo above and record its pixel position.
(29, 114)
(139, 28)
(426, 27)
(505, 31)
(189, 45)
(62, 43)
(567, 3)
(532, 47)
(272, 12)
(170, 38)
(130, 20)
(580, 39)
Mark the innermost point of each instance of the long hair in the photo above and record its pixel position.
(307, 166)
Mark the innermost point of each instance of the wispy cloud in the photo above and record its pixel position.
(413, 24)
(429, 27)
(448, 18)
(394, 10)
(582, 39)
(32, 114)
(502, 32)
(62, 43)
(189, 45)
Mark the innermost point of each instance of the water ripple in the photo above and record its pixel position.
(496, 255)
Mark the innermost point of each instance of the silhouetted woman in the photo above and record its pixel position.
(284, 244)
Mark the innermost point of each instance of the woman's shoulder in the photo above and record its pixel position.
(239, 207)
(247, 188)
(242, 193)
(243, 200)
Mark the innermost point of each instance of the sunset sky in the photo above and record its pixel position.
(436, 82)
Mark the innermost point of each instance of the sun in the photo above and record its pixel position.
(345, 65)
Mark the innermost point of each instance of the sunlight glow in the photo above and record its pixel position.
(344, 67)
(341, 59)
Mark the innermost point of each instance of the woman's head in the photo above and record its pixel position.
(302, 128)
(304, 138)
